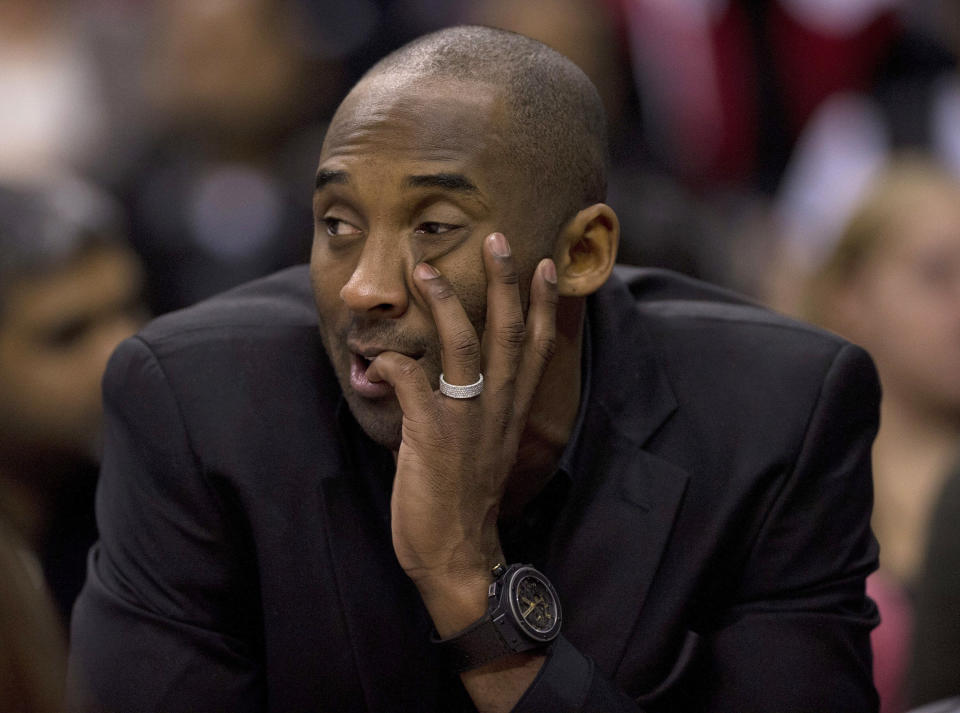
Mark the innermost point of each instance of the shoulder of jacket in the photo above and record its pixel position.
(281, 300)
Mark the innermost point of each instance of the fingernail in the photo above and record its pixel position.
(499, 245)
(550, 272)
(426, 271)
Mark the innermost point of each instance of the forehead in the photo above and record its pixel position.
(921, 217)
(402, 117)
(95, 281)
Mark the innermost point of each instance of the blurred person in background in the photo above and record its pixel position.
(69, 293)
(51, 91)
(727, 92)
(217, 197)
(910, 102)
(892, 284)
(32, 651)
(935, 663)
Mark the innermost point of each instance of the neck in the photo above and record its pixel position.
(552, 413)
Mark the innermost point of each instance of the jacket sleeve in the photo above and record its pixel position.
(793, 632)
(160, 624)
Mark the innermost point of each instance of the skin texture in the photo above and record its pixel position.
(430, 256)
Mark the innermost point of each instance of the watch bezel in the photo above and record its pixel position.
(510, 590)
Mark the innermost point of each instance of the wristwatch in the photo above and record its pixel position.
(523, 613)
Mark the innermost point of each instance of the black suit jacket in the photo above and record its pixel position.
(711, 554)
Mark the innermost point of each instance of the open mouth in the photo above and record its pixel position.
(361, 384)
(359, 381)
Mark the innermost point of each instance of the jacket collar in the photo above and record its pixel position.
(624, 499)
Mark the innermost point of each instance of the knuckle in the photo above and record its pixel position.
(464, 345)
(408, 369)
(442, 290)
(512, 335)
(509, 274)
(545, 346)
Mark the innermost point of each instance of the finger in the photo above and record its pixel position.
(410, 383)
(503, 335)
(459, 344)
(541, 334)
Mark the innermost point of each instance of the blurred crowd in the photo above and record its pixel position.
(804, 152)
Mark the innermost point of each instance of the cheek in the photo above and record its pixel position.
(905, 306)
(54, 397)
(908, 327)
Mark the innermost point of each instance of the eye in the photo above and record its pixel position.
(337, 227)
(434, 228)
(68, 334)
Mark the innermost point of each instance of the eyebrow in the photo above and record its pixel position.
(447, 181)
(325, 177)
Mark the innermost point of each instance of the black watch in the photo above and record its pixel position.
(523, 613)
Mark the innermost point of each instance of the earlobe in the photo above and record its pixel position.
(587, 250)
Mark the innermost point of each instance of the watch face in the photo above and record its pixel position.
(535, 604)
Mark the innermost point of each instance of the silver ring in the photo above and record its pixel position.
(465, 391)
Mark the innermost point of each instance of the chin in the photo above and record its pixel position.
(383, 423)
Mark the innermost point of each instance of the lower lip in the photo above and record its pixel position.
(362, 385)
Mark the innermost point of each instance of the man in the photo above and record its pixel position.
(334, 521)
(69, 293)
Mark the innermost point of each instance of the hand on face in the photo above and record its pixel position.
(457, 454)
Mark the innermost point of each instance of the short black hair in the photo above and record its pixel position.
(558, 135)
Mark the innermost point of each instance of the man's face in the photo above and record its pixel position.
(410, 171)
(56, 332)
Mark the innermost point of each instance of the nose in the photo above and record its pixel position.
(377, 287)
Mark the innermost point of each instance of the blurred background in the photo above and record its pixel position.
(804, 152)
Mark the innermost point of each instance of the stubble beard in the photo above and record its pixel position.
(381, 419)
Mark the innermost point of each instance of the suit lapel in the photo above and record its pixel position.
(609, 548)
(624, 499)
(388, 627)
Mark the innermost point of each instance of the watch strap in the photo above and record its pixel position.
(478, 644)
(494, 634)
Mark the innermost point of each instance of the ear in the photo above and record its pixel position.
(587, 250)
